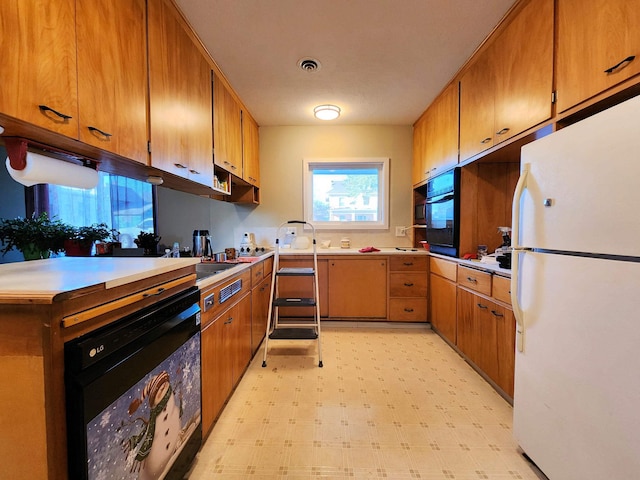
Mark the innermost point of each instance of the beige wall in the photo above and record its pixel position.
(282, 150)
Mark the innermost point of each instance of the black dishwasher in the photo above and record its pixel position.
(133, 394)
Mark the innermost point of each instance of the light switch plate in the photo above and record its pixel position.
(400, 231)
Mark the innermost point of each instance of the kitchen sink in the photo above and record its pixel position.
(204, 270)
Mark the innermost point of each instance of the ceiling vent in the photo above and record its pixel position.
(309, 64)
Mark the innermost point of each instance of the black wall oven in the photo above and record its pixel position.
(442, 213)
(133, 394)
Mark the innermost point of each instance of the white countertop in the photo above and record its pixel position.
(355, 251)
(43, 279)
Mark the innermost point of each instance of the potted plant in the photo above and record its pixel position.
(148, 241)
(36, 236)
(106, 246)
(81, 239)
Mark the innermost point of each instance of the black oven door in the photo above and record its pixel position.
(440, 219)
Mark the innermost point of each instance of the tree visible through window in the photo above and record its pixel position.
(346, 193)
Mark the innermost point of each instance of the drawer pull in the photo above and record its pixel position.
(44, 108)
(159, 292)
(407, 264)
(486, 140)
(100, 132)
(229, 320)
(503, 131)
(408, 310)
(472, 280)
(497, 314)
(408, 284)
(482, 306)
(620, 65)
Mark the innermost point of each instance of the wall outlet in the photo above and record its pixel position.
(400, 232)
(292, 230)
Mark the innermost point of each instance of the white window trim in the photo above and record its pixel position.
(383, 199)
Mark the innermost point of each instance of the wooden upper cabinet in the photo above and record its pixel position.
(38, 44)
(435, 136)
(227, 129)
(179, 99)
(477, 103)
(419, 165)
(250, 150)
(112, 76)
(507, 89)
(595, 39)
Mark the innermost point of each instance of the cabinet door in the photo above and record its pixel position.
(593, 37)
(179, 99)
(240, 322)
(259, 312)
(227, 125)
(419, 165)
(486, 341)
(250, 150)
(523, 56)
(466, 329)
(358, 288)
(506, 347)
(477, 89)
(38, 45)
(442, 130)
(112, 76)
(216, 371)
(443, 306)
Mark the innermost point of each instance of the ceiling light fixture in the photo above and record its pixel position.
(326, 112)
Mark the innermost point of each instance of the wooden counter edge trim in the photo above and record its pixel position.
(85, 315)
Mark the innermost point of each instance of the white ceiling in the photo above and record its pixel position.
(382, 61)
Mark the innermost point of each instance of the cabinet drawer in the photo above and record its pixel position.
(408, 309)
(218, 298)
(475, 279)
(401, 263)
(257, 274)
(444, 268)
(502, 289)
(408, 284)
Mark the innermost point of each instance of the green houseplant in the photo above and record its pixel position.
(80, 240)
(36, 236)
(148, 241)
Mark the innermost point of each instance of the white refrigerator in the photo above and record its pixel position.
(575, 291)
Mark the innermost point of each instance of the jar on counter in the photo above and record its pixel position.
(482, 251)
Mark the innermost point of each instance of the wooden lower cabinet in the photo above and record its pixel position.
(442, 312)
(226, 352)
(486, 335)
(358, 288)
(259, 312)
(408, 288)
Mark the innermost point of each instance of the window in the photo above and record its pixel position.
(347, 193)
(122, 203)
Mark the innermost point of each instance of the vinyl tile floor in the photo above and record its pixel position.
(395, 403)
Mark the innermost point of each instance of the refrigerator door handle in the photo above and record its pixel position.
(517, 249)
(515, 303)
(521, 186)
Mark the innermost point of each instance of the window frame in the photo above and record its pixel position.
(379, 163)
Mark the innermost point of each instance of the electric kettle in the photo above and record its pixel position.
(201, 243)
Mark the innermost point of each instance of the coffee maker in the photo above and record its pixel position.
(202, 243)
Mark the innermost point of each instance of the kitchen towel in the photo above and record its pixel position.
(368, 249)
(43, 169)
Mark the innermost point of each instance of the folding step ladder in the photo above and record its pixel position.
(300, 328)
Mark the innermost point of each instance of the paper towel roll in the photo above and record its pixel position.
(43, 169)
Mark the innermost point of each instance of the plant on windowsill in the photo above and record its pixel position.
(148, 241)
(105, 246)
(81, 239)
(36, 236)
